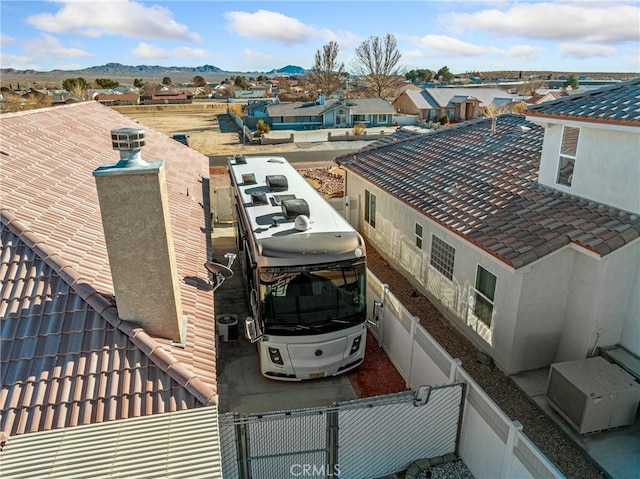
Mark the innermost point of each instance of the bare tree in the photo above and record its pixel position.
(326, 73)
(377, 58)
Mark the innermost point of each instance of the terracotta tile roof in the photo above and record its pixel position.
(54, 266)
(483, 187)
(618, 104)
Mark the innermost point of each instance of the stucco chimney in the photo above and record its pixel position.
(135, 218)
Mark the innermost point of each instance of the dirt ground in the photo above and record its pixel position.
(211, 131)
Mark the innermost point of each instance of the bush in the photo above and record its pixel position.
(358, 129)
(444, 120)
(262, 128)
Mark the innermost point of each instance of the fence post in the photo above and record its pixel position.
(385, 289)
(507, 459)
(332, 442)
(414, 320)
(242, 446)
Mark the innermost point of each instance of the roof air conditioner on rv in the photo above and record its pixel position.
(593, 394)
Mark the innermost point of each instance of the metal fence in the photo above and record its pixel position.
(360, 439)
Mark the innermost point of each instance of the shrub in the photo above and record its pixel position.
(358, 129)
(262, 127)
(444, 120)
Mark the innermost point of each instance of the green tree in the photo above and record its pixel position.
(166, 81)
(444, 75)
(572, 82)
(241, 82)
(198, 81)
(138, 82)
(106, 83)
(377, 59)
(419, 76)
(74, 84)
(325, 73)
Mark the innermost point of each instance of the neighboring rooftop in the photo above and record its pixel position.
(66, 357)
(480, 182)
(615, 104)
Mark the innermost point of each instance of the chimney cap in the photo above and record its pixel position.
(127, 139)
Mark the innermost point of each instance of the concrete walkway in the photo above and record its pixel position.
(241, 386)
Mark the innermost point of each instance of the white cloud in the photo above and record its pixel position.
(188, 52)
(523, 52)
(148, 51)
(274, 26)
(7, 40)
(441, 44)
(97, 18)
(48, 45)
(602, 22)
(585, 50)
(16, 61)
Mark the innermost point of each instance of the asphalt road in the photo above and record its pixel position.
(291, 156)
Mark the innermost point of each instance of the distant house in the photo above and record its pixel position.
(330, 113)
(524, 231)
(249, 94)
(166, 97)
(459, 104)
(118, 99)
(543, 97)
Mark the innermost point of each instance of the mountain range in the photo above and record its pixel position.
(117, 71)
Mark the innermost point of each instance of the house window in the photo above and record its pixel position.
(359, 118)
(382, 118)
(418, 235)
(485, 294)
(568, 150)
(443, 255)
(341, 117)
(370, 208)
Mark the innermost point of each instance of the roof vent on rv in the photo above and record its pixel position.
(295, 207)
(259, 198)
(240, 159)
(249, 179)
(277, 183)
(301, 223)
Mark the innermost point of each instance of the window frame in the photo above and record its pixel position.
(418, 235)
(438, 256)
(566, 143)
(370, 208)
(481, 297)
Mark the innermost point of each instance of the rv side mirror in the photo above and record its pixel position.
(250, 329)
(377, 313)
(377, 309)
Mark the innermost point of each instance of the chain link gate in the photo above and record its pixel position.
(360, 439)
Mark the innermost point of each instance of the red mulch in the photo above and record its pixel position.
(376, 375)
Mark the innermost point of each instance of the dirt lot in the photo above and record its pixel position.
(210, 130)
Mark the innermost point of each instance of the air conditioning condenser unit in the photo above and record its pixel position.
(593, 394)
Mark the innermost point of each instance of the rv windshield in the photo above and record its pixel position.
(313, 301)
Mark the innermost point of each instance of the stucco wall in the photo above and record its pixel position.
(394, 238)
(403, 104)
(606, 170)
(547, 312)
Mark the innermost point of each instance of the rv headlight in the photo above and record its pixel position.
(275, 356)
(358, 252)
(355, 345)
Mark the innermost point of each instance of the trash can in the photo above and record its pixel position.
(227, 327)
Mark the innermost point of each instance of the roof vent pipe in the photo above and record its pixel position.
(129, 142)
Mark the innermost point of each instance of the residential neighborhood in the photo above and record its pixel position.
(338, 240)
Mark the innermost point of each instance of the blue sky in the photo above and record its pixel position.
(558, 35)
